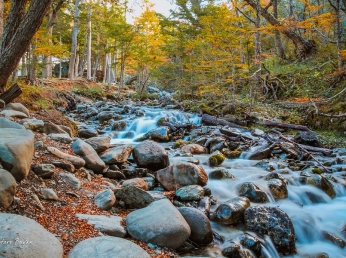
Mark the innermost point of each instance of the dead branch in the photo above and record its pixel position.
(283, 125)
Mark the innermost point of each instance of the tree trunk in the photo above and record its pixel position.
(75, 31)
(89, 45)
(11, 93)
(303, 48)
(1, 17)
(278, 41)
(19, 30)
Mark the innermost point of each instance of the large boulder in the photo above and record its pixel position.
(150, 155)
(92, 159)
(182, 174)
(7, 123)
(160, 223)
(87, 133)
(100, 143)
(50, 127)
(26, 238)
(7, 188)
(16, 151)
(107, 246)
(17, 107)
(201, 232)
(232, 211)
(117, 155)
(322, 183)
(134, 197)
(273, 222)
(160, 134)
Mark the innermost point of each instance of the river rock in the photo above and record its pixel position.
(216, 159)
(160, 223)
(18, 107)
(201, 232)
(71, 180)
(194, 149)
(133, 197)
(182, 174)
(49, 194)
(2, 104)
(190, 193)
(251, 242)
(232, 211)
(13, 113)
(33, 124)
(234, 250)
(76, 161)
(87, 133)
(60, 137)
(7, 188)
(16, 151)
(221, 173)
(7, 123)
(278, 188)
(109, 225)
(99, 144)
(150, 155)
(119, 125)
(91, 111)
(107, 246)
(160, 134)
(262, 153)
(253, 192)
(104, 116)
(50, 127)
(92, 159)
(43, 170)
(105, 199)
(28, 238)
(64, 165)
(117, 155)
(114, 174)
(137, 182)
(322, 183)
(275, 223)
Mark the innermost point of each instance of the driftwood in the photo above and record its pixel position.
(175, 127)
(283, 125)
(11, 93)
(218, 121)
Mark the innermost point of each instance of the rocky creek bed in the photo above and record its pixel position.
(145, 180)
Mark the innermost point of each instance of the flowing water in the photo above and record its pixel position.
(310, 209)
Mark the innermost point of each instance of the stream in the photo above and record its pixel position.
(311, 210)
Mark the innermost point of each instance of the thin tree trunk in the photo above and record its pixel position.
(75, 31)
(89, 45)
(278, 41)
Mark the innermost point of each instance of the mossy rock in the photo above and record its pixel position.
(216, 159)
(232, 154)
(161, 121)
(179, 143)
(316, 170)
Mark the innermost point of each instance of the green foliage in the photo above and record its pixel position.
(93, 92)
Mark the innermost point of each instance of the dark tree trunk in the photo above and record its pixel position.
(19, 29)
(278, 41)
(303, 48)
(11, 93)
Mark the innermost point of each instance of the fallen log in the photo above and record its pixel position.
(234, 134)
(218, 121)
(283, 125)
(11, 93)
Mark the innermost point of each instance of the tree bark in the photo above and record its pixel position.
(278, 41)
(20, 28)
(11, 93)
(1, 17)
(303, 48)
(75, 31)
(217, 121)
(89, 45)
